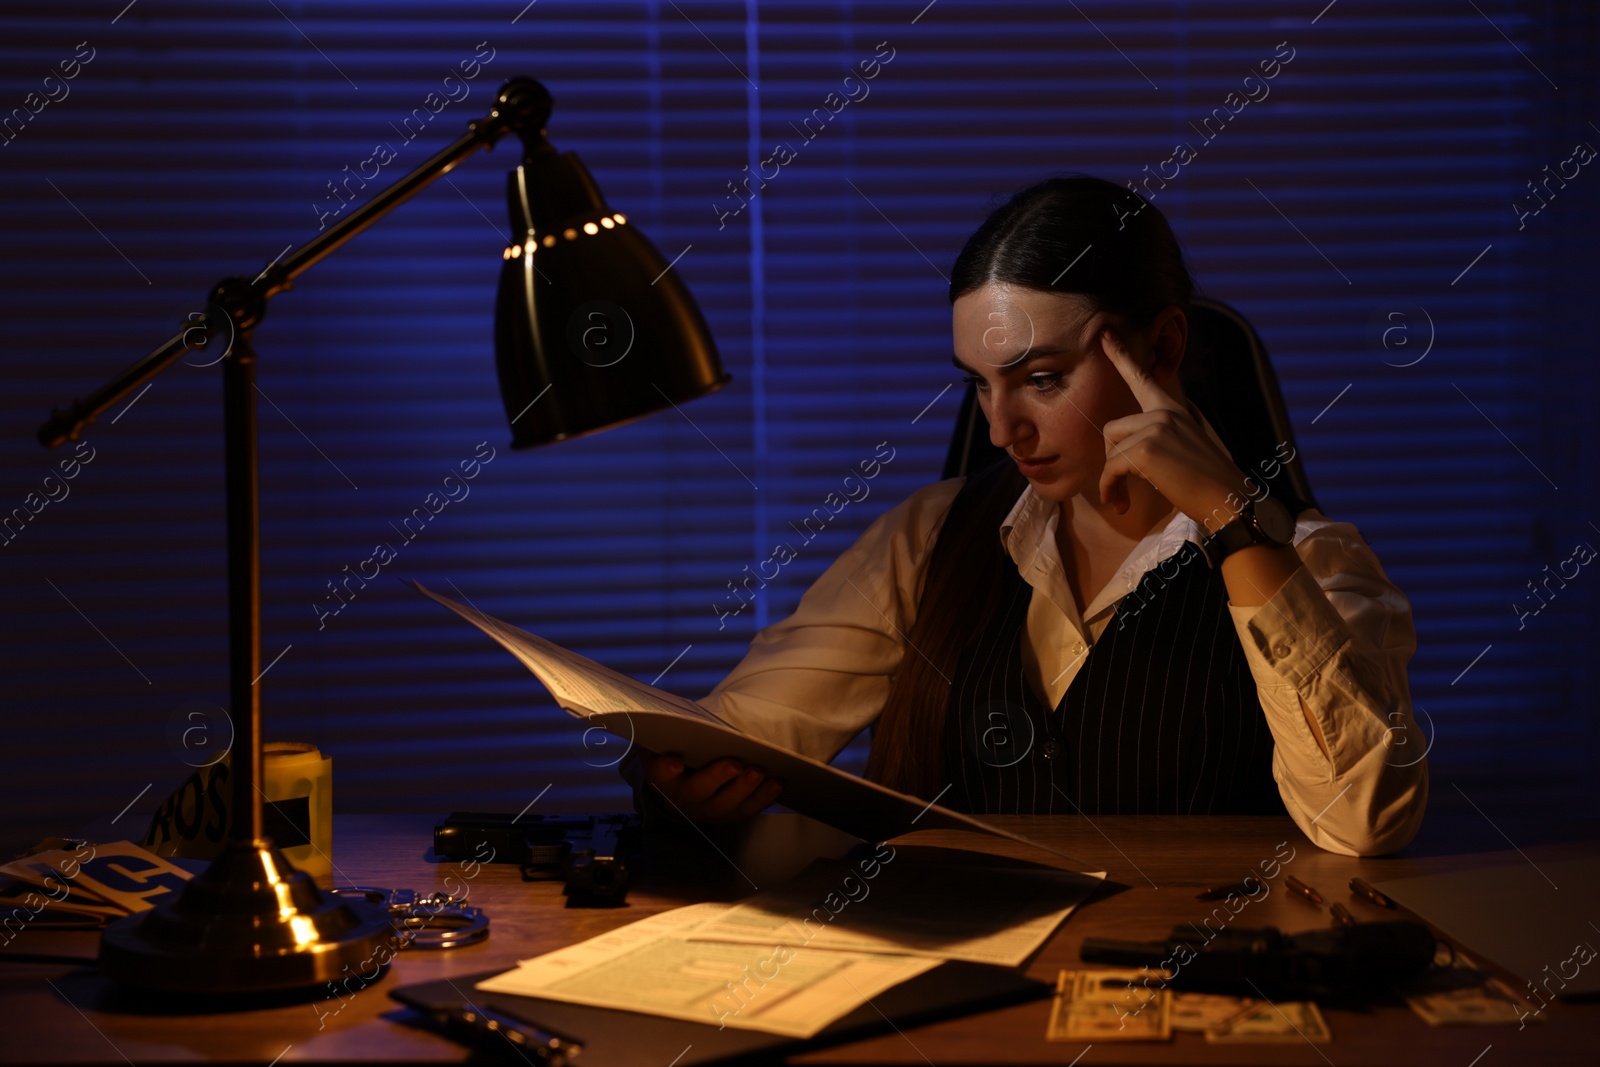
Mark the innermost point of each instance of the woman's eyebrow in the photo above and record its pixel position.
(1020, 362)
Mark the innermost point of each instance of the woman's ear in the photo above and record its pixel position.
(1169, 340)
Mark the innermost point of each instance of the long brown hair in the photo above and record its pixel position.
(1075, 234)
(958, 601)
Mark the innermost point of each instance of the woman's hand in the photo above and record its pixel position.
(1167, 446)
(722, 791)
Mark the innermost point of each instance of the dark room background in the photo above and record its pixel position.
(1382, 209)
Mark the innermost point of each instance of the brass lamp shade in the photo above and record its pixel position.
(592, 327)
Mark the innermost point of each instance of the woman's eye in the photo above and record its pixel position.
(973, 379)
(1044, 383)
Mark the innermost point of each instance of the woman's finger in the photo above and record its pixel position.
(764, 797)
(1150, 395)
(1120, 464)
(1117, 430)
(1115, 494)
(699, 786)
(660, 770)
(729, 800)
(1114, 483)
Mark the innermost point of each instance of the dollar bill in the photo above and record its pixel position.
(1120, 1005)
(1477, 999)
(1267, 1023)
(1200, 1012)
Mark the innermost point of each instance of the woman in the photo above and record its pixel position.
(1114, 620)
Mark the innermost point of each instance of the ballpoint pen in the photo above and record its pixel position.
(1295, 885)
(496, 1031)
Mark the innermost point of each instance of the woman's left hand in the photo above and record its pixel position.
(1166, 445)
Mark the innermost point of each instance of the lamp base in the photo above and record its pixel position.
(250, 923)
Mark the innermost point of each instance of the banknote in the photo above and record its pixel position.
(1267, 1023)
(1206, 1011)
(1472, 998)
(1105, 1005)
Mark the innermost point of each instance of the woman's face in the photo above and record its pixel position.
(1044, 381)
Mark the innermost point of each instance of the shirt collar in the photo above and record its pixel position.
(1028, 533)
(1029, 536)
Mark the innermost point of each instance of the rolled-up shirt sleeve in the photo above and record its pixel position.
(1332, 644)
(815, 679)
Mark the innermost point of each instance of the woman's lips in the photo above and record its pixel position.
(1034, 465)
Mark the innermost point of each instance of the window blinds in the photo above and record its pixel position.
(812, 169)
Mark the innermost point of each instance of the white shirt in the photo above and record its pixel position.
(1335, 640)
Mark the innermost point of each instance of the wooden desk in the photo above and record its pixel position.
(61, 1014)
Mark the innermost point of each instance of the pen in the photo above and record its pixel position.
(493, 1030)
(1226, 891)
(1295, 885)
(1342, 916)
(1361, 888)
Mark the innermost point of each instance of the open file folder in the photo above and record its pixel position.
(628, 1039)
(660, 721)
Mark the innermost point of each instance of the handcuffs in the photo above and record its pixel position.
(436, 920)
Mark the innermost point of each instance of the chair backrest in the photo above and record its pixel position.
(1228, 376)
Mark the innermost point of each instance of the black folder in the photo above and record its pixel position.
(613, 1038)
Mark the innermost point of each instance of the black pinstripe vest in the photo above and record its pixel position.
(1163, 718)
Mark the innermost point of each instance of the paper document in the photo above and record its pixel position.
(992, 915)
(580, 685)
(102, 881)
(659, 721)
(652, 966)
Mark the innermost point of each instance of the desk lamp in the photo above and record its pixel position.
(592, 329)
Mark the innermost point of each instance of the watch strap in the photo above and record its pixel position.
(1242, 532)
(1248, 530)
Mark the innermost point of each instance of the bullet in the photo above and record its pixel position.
(1295, 885)
(1360, 888)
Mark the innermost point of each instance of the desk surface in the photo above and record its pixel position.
(61, 1014)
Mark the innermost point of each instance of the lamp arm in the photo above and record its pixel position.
(522, 107)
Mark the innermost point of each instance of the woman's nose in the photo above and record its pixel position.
(1007, 426)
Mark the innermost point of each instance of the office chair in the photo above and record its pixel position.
(1228, 376)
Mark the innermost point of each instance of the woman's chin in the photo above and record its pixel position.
(1053, 485)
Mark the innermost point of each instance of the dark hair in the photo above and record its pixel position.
(1074, 234)
(1084, 235)
(960, 598)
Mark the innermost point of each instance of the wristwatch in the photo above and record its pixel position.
(1262, 522)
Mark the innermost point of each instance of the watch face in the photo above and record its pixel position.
(1275, 521)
